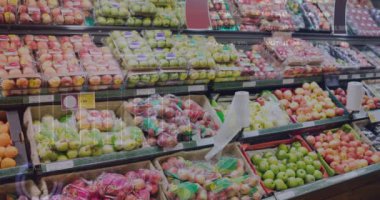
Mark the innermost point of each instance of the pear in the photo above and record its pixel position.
(74, 145)
(61, 158)
(71, 154)
(118, 145)
(97, 151)
(85, 151)
(61, 146)
(52, 156)
(107, 149)
(129, 144)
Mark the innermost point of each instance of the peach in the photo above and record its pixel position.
(22, 83)
(106, 79)
(94, 80)
(7, 84)
(54, 82)
(67, 81)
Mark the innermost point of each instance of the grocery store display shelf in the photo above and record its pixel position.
(13, 173)
(321, 184)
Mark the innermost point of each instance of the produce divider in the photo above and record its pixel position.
(35, 172)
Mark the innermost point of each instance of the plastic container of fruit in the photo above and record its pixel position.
(101, 176)
(200, 76)
(158, 38)
(172, 77)
(12, 190)
(67, 16)
(18, 72)
(33, 14)
(333, 139)
(249, 150)
(85, 5)
(8, 13)
(77, 42)
(142, 8)
(231, 150)
(351, 56)
(226, 73)
(141, 79)
(110, 12)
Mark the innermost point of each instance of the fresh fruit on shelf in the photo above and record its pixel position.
(224, 53)
(142, 8)
(32, 13)
(226, 178)
(165, 119)
(76, 42)
(350, 55)
(287, 165)
(370, 54)
(327, 9)
(343, 149)
(265, 112)
(372, 133)
(111, 12)
(142, 79)
(221, 15)
(315, 17)
(59, 140)
(49, 3)
(67, 16)
(8, 152)
(8, 10)
(368, 103)
(102, 69)
(158, 38)
(361, 23)
(308, 103)
(134, 184)
(78, 4)
(262, 66)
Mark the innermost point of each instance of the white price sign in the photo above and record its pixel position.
(343, 77)
(356, 76)
(41, 99)
(249, 84)
(251, 134)
(146, 91)
(59, 165)
(288, 81)
(196, 88)
(374, 116)
(205, 141)
(308, 124)
(177, 147)
(370, 75)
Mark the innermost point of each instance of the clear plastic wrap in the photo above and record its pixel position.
(67, 16)
(111, 12)
(8, 12)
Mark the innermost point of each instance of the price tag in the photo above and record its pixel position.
(370, 75)
(285, 195)
(59, 165)
(377, 74)
(205, 141)
(343, 77)
(249, 84)
(288, 81)
(86, 100)
(196, 88)
(251, 134)
(374, 116)
(146, 91)
(177, 147)
(160, 36)
(308, 124)
(356, 76)
(41, 99)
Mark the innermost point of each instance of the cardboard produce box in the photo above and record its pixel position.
(53, 185)
(23, 188)
(36, 113)
(198, 155)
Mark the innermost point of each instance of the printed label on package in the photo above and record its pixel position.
(127, 34)
(134, 45)
(170, 56)
(141, 57)
(160, 36)
(32, 10)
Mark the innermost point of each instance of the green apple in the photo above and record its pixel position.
(268, 175)
(62, 158)
(173, 76)
(292, 166)
(285, 161)
(269, 183)
(164, 77)
(154, 78)
(280, 184)
(301, 173)
(85, 151)
(281, 175)
(317, 164)
(110, 21)
(290, 173)
(303, 150)
(309, 178)
(71, 154)
(147, 22)
(202, 74)
(292, 150)
(273, 160)
(301, 164)
(283, 147)
(282, 154)
(74, 145)
(310, 169)
(145, 78)
(300, 181)
(268, 154)
(292, 182)
(256, 158)
(308, 160)
(281, 167)
(296, 144)
(263, 166)
(101, 20)
(182, 76)
(275, 169)
(313, 155)
(61, 146)
(97, 151)
(292, 157)
(318, 174)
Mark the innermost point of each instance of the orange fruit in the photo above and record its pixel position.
(7, 163)
(2, 152)
(11, 152)
(4, 128)
(5, 140)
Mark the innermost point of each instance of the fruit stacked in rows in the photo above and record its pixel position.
(308, 103)
(7, 151)
(372, 133)
(263, 67)
(111, 12)
(227, 179)
(164, 119)
(287, 166)
(361, 22)
(266, 113)
(343, 150)
(17, 65)
(138, 184)
(8, 10)
(368, 103)
(80, 136)
(221, 15)
(315, 16)
(350, 55)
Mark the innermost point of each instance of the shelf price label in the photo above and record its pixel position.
(370, 75)
(356, 76)
(288, 81)
(343, 77)
(41, 99)
(75, 101)
(374, 116)
(59, 165)
(249, 134)
(145, 91)
(196, 88)
(177, 147)
(249, 84)
(86, 100)
(308, 124)
(205, 142)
